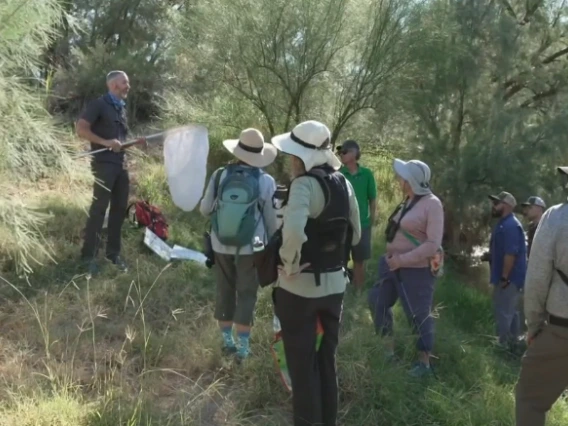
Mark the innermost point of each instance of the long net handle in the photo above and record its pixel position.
(125, 145)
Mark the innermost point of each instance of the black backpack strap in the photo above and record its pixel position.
(217, 181)
(563, 276)
(406, 208)
(409, 207)
(257, 173)
(320, 175)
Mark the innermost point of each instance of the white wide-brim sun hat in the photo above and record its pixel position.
(309, 141)
(251, 149)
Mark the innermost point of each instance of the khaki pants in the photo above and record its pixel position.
(544, 376)
(237, 286)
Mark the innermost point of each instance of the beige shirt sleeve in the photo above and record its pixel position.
(306, 199)
(295, 217)
(539, 275)
(354, 214)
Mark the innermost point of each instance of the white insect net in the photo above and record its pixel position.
(185, 159)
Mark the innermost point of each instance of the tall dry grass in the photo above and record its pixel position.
(32, 147)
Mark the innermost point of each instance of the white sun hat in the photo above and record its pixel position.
(309, 141)
(252, 149)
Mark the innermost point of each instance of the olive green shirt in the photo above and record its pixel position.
(306, 200)
(365, 187)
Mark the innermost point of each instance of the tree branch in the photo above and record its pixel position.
(555, 56)
(509, 8)
(540, 96)
(530, 11)
(514, 88)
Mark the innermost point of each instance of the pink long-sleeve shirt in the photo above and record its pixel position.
(425, 222)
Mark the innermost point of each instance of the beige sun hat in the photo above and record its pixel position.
(309, 141)
(252, 149)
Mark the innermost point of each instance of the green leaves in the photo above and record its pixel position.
(487, 101)
(296, 60)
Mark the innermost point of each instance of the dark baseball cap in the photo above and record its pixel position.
(504, 197)
(534, 201)
(349, 145)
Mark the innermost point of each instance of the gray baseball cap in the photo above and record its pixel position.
(504, 197)
(348, 145)
(534, 201)
(563, 170)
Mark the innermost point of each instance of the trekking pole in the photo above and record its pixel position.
(414, 321)
(373, 305)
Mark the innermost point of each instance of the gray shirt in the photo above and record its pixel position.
(265, 228)
(108, 122)
(545, 292)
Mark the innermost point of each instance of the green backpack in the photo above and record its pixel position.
(237, 198)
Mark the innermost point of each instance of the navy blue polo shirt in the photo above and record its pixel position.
(508, 238)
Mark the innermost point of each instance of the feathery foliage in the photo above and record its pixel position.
(31, 146)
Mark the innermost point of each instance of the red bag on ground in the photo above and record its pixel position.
(149, 216)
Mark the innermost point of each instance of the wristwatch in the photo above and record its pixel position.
(505, 282)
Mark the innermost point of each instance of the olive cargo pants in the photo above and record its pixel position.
(544, 375)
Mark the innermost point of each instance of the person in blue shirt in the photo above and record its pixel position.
(508, 259)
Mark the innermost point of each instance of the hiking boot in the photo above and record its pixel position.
(119, 263)
(503, 347)
(90, 267)
(243, 353)
(228, 350)
(241, 356)
(420, 369)
(518, 347)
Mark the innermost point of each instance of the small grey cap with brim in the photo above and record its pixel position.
(534, 201)
(563, 170)
(416, 173)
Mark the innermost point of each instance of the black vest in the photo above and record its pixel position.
(327, 234)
